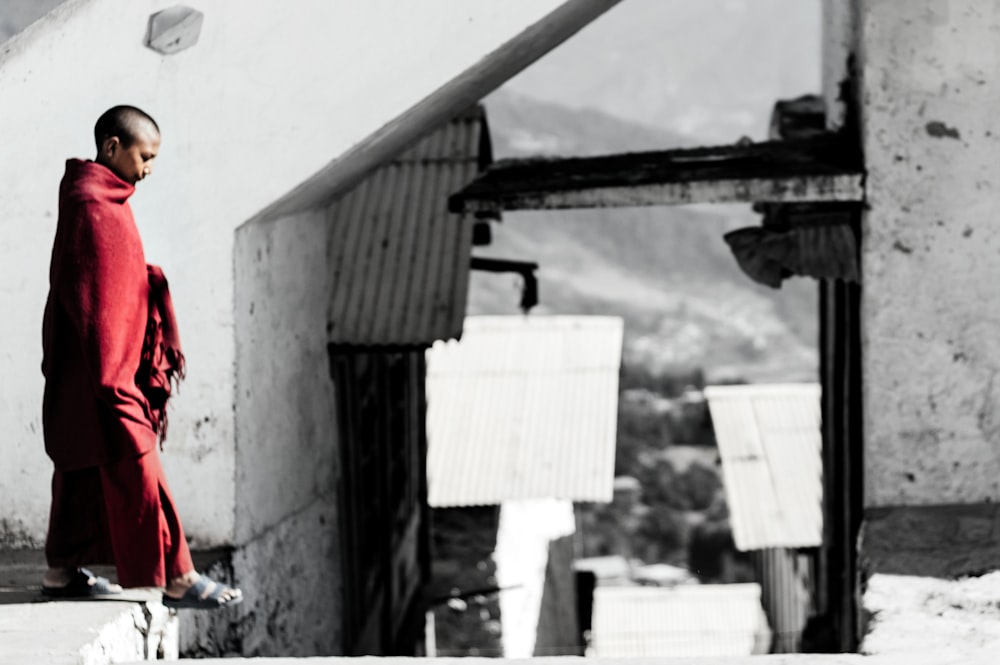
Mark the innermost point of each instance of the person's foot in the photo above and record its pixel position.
(195, 591)
(57, 577)
(76, 582)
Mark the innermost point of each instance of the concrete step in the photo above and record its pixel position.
(942, 658)
(34, 630)
(86, 632)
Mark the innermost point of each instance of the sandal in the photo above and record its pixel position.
(205, 594)
(83, 584)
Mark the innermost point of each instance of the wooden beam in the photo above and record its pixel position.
(848, 187)
(815, 169)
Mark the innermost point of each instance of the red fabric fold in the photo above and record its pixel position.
(162, 366)
(95, 324)
(120, 513)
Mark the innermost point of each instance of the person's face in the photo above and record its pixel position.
(134, 162)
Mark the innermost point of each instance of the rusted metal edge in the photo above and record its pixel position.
(815, 169)
(847, 187)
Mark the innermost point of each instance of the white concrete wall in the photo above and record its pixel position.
(931, 251)
(272, 93)
(527, 528)
(287, 453)
(838, 44)
(293, 586)
(88, 633)
(287, 450)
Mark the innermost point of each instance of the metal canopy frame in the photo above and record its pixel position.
(825, 167)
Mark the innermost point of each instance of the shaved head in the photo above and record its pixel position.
(128, 141)
(125, 122)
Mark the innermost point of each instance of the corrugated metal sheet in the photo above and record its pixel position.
(399, 260)
(785, 578)
(524, 407)
(770, 443)
(690, 620)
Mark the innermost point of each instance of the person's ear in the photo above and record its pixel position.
(110, 146)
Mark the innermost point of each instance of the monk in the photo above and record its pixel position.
(111, 354)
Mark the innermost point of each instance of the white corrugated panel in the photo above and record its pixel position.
(522, 408)
(770, 442)
(690, 620)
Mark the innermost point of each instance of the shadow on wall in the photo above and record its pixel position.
(559, 631)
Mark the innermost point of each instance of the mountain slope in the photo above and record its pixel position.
(710, 69)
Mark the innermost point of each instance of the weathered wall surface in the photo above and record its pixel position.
(930, 77)
(287, 455)
(286, 432)
(291, 578)
(268, 97)
(916, 616)
(88, 633)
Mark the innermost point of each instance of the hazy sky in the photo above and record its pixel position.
(15, 15)
(708, 68)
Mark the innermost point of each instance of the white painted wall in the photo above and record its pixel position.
(838, 44)
(527, 527)
(287, 453)
(272, 93)
(931, 251)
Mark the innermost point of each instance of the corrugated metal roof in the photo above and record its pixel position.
(770, 443)
(786, 578)
(524, 407)
(399, 259)
(691, 620)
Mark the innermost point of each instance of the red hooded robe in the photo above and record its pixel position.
(95, 324)
(101, 342)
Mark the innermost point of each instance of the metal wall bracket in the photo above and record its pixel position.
(174, 29)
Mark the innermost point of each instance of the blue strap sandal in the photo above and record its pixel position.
(83, 584)
(205, 594)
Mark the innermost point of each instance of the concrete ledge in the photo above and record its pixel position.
(946, 541)
(936, 658)
(87, 632)
(927, 581)
(910, 616)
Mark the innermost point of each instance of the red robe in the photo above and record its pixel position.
(95, 324)
(110, 500)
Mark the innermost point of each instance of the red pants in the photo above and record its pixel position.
(120, 513)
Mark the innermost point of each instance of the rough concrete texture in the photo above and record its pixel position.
(288, 559)
(216, 170)
(287, 451)
(86, 633)
(291, 579)
(208, 634)
(911, 616)
(931, 309)
(939, 541)
(15, 534)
